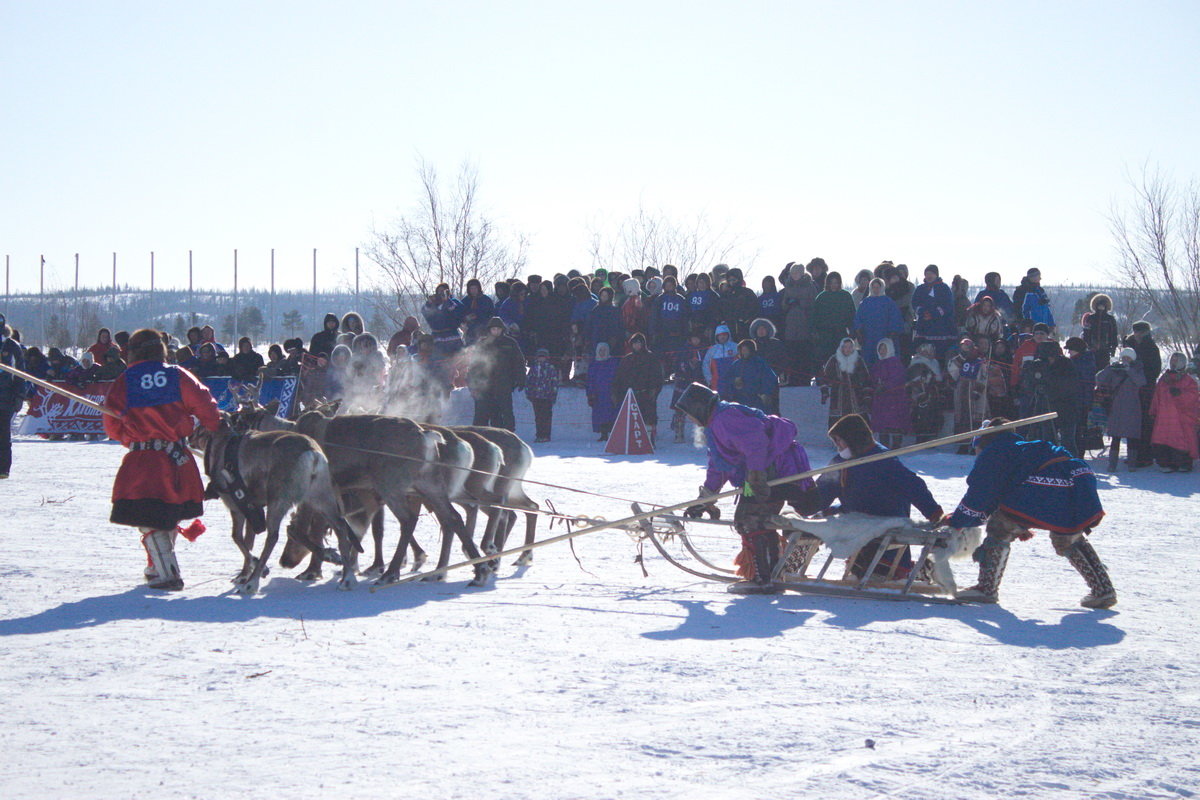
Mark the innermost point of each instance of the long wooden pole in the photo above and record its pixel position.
(853, 462)
(58, 390)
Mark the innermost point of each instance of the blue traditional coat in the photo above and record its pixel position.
(1037, 482)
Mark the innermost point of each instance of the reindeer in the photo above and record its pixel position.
(518, 457)
(279, 470)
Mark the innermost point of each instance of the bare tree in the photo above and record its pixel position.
(447, 238)
(1157, 238)
(652, 238)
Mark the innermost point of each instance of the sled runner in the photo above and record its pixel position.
(929, 580)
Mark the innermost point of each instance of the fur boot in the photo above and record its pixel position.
(992, 556)
(1084, 559)
(160, 547)
(800, 556)
(763, 547)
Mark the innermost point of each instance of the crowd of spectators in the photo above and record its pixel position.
(910, 357)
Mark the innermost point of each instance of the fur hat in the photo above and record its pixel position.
(855, 432)
(1141, 326)
(697, 401)
(1098, 299)
(146, 345)
(1128, 352)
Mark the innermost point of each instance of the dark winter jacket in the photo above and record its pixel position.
(933, 307)
(750, 382)
(497, 366)
(322, 342)
(884, 488)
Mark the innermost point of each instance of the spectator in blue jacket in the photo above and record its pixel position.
(478, 308)
(443, 314)
(584, 301)
(933, 307)
(878, 317)
(751, 382)
(1035, 304)
(703, 306)
(668, 321)
(770, 302)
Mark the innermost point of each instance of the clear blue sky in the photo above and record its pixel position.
(973, 135)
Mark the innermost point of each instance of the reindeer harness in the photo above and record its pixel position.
(227, 483)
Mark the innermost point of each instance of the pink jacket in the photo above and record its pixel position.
(1176, 416)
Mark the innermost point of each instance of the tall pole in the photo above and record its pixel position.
(191, 295)
(272, 294)
(42, 299)
(316, 321)
(151, 284)
(6, 271)
(75, 300)
(114, 294)
(235, 300)
(357, 304)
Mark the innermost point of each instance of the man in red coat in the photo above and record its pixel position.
(158, 484)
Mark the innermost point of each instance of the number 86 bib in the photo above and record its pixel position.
(151, 383)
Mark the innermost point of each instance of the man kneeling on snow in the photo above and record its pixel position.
(764, 447)
(1017, 485)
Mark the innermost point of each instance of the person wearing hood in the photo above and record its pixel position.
(1142, 341)
(603, 323)
(704, 306)
(969, 373)
(891, 413)
(584, 301)
(982, 319)
(1175, 408)
(845, 382)
(405, 337)
(796, 302)
(770, 302)
(1000, 299)
(84, 372)
(719, 355)
(885, 488)
(640, 370)
(600, 376)
(740, 305)
(477, 309)
(114, 365)
(13, 392)
(750, 381)
(322, 343)
(900, 290)
(758, 447)
(877, 318)
(337, 374)
(1084, 363)
(352, 323)
(497, 369)
(933, 306)
(246, 363)
(155, 408)
(368, 366)
(1017, 485)
(832, 317)
(773, 351)
(1000, 385)
(862, 286)
(1100, 330)
(444, 314)
(926, 388)
(668, 320)
(541, 388)
(1118, 393)
(635, 313)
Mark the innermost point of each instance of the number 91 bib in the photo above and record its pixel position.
(151, 383)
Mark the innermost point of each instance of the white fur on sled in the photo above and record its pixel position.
(846, 534)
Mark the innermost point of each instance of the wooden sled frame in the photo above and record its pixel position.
(869, 586)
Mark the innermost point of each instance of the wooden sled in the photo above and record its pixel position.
(870, 586)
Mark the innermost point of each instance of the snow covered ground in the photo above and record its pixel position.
(586, 679)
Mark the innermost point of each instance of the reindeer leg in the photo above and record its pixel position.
(407, 516)
(274, 520)
(452, 523)
(530, 529)
(376, 568)
(239, 527)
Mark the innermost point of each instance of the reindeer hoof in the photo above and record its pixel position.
(418, 562)
(482, 578)
(524, 560)
(439, 578)
(309, 575)
(347, 584)
(373, 571)
(249, 588)
(386, 578)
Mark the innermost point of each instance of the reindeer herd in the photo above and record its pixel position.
(340, 473)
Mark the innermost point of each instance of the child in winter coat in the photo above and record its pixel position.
(890, 410)
(1176, 411)
(751, 382)
(926, 387)
(719, 356)
(600, 375)
(541, 387)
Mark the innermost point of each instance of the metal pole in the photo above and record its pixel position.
(357, 304)
(114, 295)
(235, 300)
(191, 295)
(42, 299)
(314, 299)
(78, 312)
(6, 270)
(151, 284)
(272, 294)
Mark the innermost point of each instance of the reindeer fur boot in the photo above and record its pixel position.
(800, 555)
(992, 556)
(764, 554)
(163, 570)
(1083, 558)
